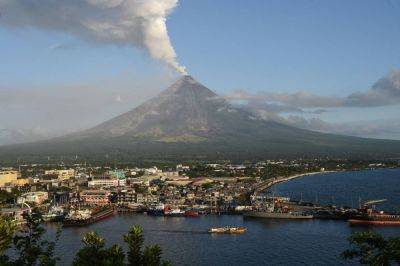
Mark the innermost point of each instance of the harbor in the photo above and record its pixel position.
(265, 239)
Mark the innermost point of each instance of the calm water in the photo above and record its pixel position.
(185, 241)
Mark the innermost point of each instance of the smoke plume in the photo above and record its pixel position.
(140, 23)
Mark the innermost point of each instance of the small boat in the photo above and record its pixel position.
(191, 213)
(175, 213)
(227, 230)
(157, 210)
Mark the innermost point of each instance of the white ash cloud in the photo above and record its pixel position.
(139, 23)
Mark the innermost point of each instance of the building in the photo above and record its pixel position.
(126, 197)
(16, 213)
(118, 174)
(7, 177)
(37, 197)
(61, 174)
(99, 183)
(95, 197)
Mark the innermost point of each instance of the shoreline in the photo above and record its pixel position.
(289, 178)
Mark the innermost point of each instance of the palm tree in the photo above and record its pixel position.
(151, 256)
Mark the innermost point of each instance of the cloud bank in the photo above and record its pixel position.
(289, 108)
(386, 91)
(139, 23)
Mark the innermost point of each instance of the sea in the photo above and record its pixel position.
(185, 241)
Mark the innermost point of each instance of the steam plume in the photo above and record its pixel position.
(141, 23)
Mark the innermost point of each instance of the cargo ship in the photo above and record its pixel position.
(376, 219)
(368, 216)
(227, 230)
(84, 217)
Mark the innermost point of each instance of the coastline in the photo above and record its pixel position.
(271, 182)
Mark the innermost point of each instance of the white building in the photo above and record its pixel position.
(62, 174)
(37, 197)
(103, 183)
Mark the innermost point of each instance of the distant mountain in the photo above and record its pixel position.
(13, 136)
(188, 121)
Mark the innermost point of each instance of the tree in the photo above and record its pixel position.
(135, 240)
(151, 256)
(373, 249)
(94, 252)
(29, 246)
(7, 229)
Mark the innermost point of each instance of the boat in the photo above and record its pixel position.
(277, 215)
(157, 210)
(376, 219)
(191, 213)
(227, 230)
(55, 214)
(84, 217)
(174, 213)
(269, 211)
(368, 216)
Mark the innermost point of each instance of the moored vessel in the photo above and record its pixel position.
(277, 215)
(191, 213)
(84, 217)
(368, 216)
(55, 214)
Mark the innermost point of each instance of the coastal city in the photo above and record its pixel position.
(80, 194)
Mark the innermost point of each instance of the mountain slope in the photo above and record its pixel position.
(189, 121)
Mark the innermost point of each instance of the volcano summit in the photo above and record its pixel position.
(189, 121)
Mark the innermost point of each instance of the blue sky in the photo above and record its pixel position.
(325, 48)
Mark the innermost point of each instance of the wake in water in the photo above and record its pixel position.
(181, 231)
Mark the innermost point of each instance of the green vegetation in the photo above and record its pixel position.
(32, 249)
(373, 249)
(95, 253)
(7, 229)
(9, 197)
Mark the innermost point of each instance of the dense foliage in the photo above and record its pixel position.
(32, 249)
(29, 245)
(373, 249)
(95, 253)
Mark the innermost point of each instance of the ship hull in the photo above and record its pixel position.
(373, 222)
(274, 215)
(95, 218)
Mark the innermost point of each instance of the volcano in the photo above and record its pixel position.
(188, 121)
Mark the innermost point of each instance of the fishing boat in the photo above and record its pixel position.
(227, 230)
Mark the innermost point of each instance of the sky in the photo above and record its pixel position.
(331, 66)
